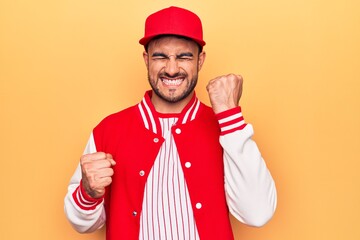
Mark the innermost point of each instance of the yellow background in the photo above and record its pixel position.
(64, 65)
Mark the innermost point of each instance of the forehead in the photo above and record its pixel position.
(169, 44)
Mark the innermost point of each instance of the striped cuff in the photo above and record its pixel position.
(231, 120)
(83, 200)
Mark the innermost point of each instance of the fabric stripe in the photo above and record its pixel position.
(191, 111)
(152, 120)
(186, 116)
(146, 123)
(80, 200)
(234, 121)
(232, 126)
(195, 110)
(167, 212)
(231, 120)
(83, 201)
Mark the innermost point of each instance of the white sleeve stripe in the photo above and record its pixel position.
(232, 126)
(83, 201)
(230, 118)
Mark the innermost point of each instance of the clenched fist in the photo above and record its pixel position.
(96, 171)
(225, 92)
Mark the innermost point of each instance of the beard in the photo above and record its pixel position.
(191, 84)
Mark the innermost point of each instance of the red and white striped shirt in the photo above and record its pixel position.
(166, 211)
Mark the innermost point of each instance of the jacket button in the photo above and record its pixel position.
(198, 205)
(134, 213)
(188, 164)
(142, 173)
(156, 140)
(178, 130)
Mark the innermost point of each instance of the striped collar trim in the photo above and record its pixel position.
(151, 117)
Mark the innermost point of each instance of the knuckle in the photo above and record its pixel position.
(86, 166)
(102, 155)
(93, 185)
(216, 82)
(84, 158)
(108, 163)
(210, 86)
(108, 180)
(230, 75)
(90, 182)
(221, 78)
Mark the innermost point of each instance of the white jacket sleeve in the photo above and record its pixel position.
(84, 213)
(250, 189)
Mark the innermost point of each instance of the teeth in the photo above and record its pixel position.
(169, 82)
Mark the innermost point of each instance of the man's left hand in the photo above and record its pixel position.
(225, 92)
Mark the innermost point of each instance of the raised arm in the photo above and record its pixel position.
(250, 189)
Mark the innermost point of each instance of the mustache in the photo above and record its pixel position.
(176, 75)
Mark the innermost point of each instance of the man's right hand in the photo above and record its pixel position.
(96, 171)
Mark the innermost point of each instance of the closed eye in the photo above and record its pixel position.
(185, 56)
(159, 56)
(182, 57)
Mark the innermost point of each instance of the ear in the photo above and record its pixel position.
(146, 58)
(201, 59)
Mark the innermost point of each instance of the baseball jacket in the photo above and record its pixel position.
(222, 166)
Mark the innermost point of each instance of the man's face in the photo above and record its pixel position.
(173, 65)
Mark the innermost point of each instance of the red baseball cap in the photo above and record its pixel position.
(173, 21)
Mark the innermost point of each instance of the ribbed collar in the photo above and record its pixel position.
(151, 117)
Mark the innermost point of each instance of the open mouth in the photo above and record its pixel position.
(172, 82)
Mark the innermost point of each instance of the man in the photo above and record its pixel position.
(171, 167)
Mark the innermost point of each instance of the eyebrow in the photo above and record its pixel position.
(159, 54)
(185, 54)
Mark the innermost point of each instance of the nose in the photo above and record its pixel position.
(172, 67)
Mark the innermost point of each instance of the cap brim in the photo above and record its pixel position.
(145, 40)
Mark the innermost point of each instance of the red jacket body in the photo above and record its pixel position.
(134, 148)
